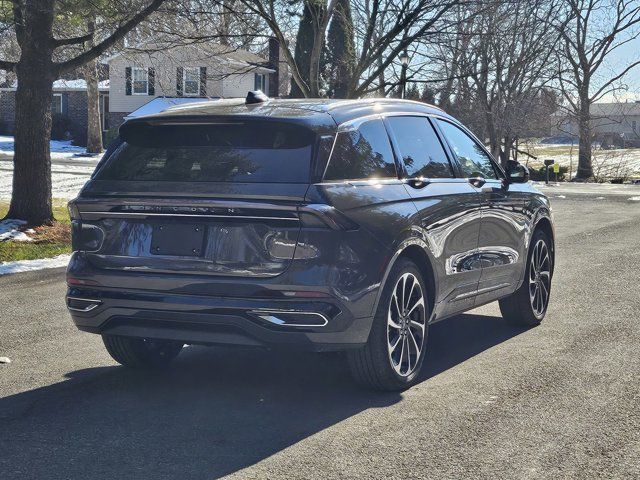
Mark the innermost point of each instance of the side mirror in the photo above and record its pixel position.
(516, 172)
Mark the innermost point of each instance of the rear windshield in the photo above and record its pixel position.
(239, 152)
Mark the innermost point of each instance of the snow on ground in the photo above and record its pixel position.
(28, 265)
(9, 230)
(59, 148)
(607, 163)
(66, 180)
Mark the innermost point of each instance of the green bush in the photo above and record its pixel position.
(539, 174)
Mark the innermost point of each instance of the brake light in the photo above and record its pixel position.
(74, 213)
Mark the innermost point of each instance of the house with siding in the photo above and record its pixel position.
(614, 123)
(137, 76)
(202, 70)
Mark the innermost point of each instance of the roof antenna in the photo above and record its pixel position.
(256, 96)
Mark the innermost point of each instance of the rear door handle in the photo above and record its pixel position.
(477, 182)
(418, 183)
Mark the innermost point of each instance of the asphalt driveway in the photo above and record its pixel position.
(558, 401)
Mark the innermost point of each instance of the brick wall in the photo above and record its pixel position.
(76, 109)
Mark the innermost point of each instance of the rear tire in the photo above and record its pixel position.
(392, 358)
(137, 352)
(528, 305)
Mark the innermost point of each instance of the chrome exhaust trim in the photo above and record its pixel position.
(92, 304)
(275, 317)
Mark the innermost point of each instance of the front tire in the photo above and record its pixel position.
(141, 352)
(392, 358)
(528, 305)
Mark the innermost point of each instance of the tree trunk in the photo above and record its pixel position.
(94, 126)
(31, 194)
(585, 167)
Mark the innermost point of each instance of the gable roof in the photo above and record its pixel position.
(62, 85)
(203, 50)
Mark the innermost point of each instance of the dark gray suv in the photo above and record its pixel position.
(331, 225)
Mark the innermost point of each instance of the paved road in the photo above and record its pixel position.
(558, 401)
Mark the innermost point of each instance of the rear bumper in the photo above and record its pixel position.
(317, 324)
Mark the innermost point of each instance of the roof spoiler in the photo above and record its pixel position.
(256, 96)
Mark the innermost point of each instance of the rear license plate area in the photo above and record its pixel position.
(179, 240)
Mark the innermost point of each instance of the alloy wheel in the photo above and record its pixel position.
(539, 278)
(406, 324)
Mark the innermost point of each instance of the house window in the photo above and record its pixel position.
(140, 77)
(191, 81)
(259, 82)
(56, 103)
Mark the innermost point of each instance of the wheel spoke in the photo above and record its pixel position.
(418, 325)
(395, 301)
(415, 343)
(413, 286)
(419, 303)
(395, 345)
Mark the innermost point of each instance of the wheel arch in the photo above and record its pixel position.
(416, 251)
(544, 224)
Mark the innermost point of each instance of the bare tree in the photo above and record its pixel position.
(497, 65)
(34, 24)
(593, 29)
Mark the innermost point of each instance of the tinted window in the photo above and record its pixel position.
(245, 152)
(473, 159)
(421, 150)
(362, 153)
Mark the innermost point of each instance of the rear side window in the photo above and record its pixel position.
(472, 157)
(239, 152)
(364, 153)
(421, 150)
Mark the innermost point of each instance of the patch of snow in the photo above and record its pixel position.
(60, 149)
(77, 84)
(635, 199)
(66, 180)
(599, 198)
(29, 265)
(561, 196)
(9, 231)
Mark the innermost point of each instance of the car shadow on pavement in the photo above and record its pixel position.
(215, 412)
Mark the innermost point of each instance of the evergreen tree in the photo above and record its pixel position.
(341, 50)
(428, 95)
(311, 14)
(412, 92)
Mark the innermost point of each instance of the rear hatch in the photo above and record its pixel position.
(209, 198)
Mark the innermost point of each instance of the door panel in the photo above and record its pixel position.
(501, 244)
(448, 210)
(449, 217)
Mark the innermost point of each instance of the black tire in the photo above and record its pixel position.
(372, 366)
(137, 352)
(518, 308)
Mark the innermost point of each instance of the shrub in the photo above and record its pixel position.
(62, 127)
(539, 174)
